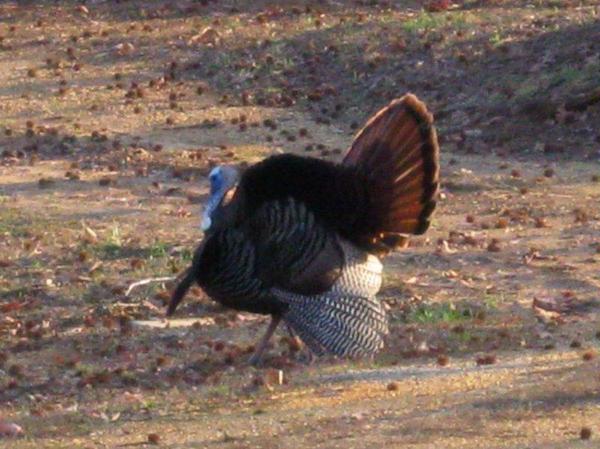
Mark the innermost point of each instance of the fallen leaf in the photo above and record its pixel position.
(208, 36)
(124, 49)
(95, 267)
(89, 235)
(11, 430)
(549, 304)
(444, 248)
(486, 359)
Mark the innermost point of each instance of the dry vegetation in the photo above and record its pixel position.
(112, 114)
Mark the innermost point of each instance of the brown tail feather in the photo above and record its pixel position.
(398, 151)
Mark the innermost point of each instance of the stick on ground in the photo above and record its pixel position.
(148, 281)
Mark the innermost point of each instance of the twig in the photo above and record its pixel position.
(148, 281)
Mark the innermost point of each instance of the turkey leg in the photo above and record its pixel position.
(264, 341)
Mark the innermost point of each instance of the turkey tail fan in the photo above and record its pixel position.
(398, 152)
(180, 291)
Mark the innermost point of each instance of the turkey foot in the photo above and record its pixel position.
(305, 355)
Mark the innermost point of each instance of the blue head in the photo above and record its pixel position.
(223, 180)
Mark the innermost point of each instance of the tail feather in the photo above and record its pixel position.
(406, 213)
(405, 137)
(412, 183)
(407, 200)
(398, 152)
(412, 157)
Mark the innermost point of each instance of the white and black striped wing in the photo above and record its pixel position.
(346, 320)
(327, 285)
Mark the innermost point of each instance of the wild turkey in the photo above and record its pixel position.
(298, 238)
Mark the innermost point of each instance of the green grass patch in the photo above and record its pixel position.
(434, 313)
(437, 313)
(568, 75)
(15, 293)
(187, 255)
(36, 263)
(425, 22)
(109, 251)
(113, 249)
(527, 90)
(455, 312)
(558, 81)
(158, 250)
(14, 225)
(220, 390)
(496, 38)
(115, 236)
(493, 301)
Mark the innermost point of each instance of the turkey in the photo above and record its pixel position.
(301, 238)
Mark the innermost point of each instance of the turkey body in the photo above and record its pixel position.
(284, 262)
(300, 238)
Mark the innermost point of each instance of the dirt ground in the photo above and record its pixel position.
(113, 113)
